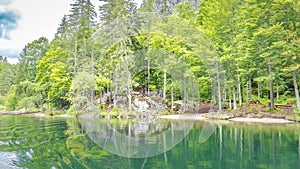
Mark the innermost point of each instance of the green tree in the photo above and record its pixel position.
(7, 75)
(31, 53)
(55, 74)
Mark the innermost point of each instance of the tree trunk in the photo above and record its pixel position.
(196, 6)
(193, 96)
(129, 100)
(48, 102)
(185, 94)
(172, 97)
(148, 62)
(110, 92)
(234, 98)
(93, 73)
(296, 90)
(258, 91)
(165, 84)
(271, 88)
(219, 89)
(239, 91)
(225, 92)
(41, 105)
(199, 94)
(148, 79)
(229, 96)
(250, 86)
(75, 59)
(247, 93)
(115, 101)
(277, 92)
(128, 84)
(214, 101)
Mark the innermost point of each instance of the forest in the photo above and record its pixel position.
(237, 52)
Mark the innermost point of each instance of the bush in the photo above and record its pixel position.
(12, 102)
(2, 107)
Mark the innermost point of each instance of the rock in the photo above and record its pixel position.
(141, 106)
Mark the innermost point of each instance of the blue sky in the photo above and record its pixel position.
(8, 21)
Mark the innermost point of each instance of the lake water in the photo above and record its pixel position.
(46, 142)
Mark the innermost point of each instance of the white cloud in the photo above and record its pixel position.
(38, 18)
(12, 60)
(5, 2)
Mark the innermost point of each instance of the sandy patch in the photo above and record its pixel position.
(64, 115)
(47, 115)
(260, 120)
(40, 114)
(184, 117)
(238, 119)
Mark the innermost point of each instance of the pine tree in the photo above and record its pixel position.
(63, 29)
(29, 56)
(115, 9)
(82, 16)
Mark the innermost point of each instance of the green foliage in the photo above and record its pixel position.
(88, 58)
(25, 95)
(29, 56)
(82, 91)
(102, 84)
(295, 117)
(12, 103)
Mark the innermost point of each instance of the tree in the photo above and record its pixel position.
(118, 27)
(115, 9)
(63, 30)
(7, 76)
(29, 56)
(54, 73)
(82, 18)
(288, 16)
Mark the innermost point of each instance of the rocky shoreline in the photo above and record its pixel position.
(195, 117)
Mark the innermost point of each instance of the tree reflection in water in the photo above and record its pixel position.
(32, 142)
(136, 138)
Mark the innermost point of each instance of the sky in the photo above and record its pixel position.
(23, 21)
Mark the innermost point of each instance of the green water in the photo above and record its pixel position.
(33, 142)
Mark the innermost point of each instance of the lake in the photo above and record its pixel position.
(52, 142)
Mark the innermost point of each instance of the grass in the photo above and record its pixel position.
(295, 117)
(275, 111)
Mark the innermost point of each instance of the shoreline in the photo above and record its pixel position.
(195, 117)
(200, 117)
(261, 120)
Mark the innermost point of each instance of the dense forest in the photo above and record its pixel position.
(238, 52)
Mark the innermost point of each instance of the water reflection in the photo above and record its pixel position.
(30, 142)
(136, 138)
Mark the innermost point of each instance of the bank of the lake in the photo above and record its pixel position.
(235, 119)
(195, 117)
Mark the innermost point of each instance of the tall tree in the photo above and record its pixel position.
(7, 75)
(29, 56)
